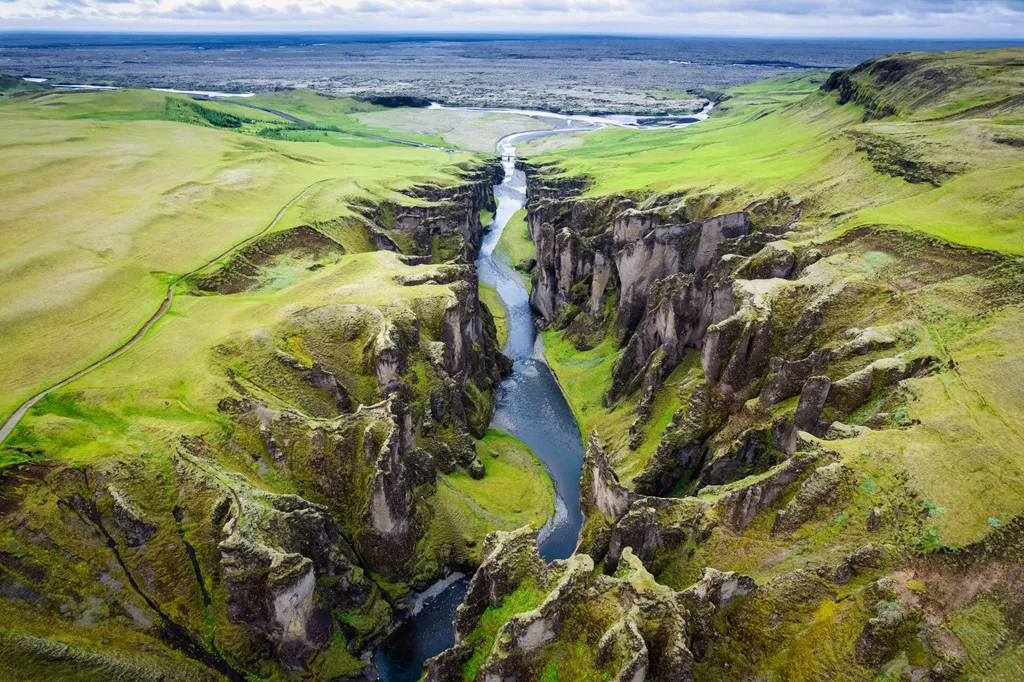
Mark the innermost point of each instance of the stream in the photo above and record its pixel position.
(530, 406)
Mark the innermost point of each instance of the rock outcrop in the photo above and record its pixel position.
(443, 222)
(627, 626)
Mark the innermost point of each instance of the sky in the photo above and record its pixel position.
(794, 18)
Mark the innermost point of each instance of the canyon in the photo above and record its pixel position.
(755, 418)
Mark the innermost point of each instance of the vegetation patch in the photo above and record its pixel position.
(187, 111)
(515, 247)
(891, 157)
(490, 297)
(481, 639)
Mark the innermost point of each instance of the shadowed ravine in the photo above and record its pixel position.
(530, 406)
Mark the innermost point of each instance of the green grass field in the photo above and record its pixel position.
(783, 137)
(104, 204)
(172, 380)
(515, 247)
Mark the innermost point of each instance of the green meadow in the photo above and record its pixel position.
(784, 136)
(105, 203)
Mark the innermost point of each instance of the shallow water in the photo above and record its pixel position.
(205, 93)
(588, 121)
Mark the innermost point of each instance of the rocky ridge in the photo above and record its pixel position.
(790, 348)
(284, 541)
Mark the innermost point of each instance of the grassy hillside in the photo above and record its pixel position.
(943, 163)
(105, 203)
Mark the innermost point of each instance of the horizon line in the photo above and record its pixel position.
(507, 34)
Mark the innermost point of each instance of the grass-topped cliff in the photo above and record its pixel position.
(790, 331)
(254, 486)
(944, 163)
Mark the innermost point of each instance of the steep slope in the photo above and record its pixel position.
(258, 485)
(795, 363)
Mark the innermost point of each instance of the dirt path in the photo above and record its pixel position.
(13, 420)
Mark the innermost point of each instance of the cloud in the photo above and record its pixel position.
(372, 7)
(211, 6)
(545, 5)
(464, 7)
(840, 18)
(799, 8)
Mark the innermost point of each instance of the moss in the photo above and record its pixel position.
(515, 247)
(993, 648)
(515, 491)
(372, 618)
(338, 661)
(481, 639)
(495, 307)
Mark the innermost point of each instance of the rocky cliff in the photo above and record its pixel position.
(442, 222)
(753, 512)
(278, 530)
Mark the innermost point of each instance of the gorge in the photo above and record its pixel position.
(730, 401)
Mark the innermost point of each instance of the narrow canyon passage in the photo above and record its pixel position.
(530, 406)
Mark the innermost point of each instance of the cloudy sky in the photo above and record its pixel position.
(847, 18)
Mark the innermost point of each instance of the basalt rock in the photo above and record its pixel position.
(136, 529)
(603, 500)
(389, 534)
(824, 402)
(823, 488)
(776, 260)
(271, 576)
(590, 246)
(736, 350)
(507, 560)
(628, 626)
(715, 590)
(888, 632)
(654, 527)
(144, 565)
(319, 378)
(681, 451)
(718, 589)
(528, 632)
(738, 507)
(445, 220)
(751, 453)
(786, 378)
(676, 317)
(813, 396)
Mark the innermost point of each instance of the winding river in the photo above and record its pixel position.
(530, 406)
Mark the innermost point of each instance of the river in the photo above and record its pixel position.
(530, 406)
